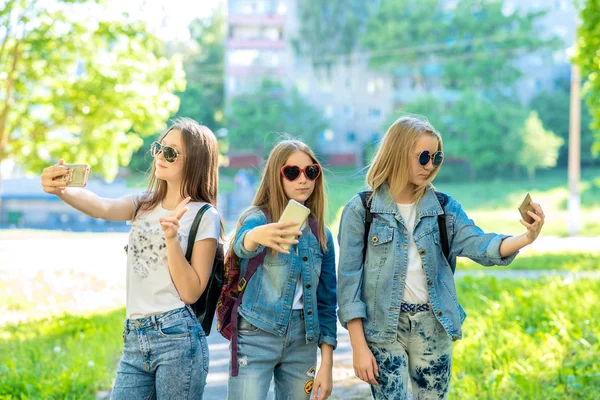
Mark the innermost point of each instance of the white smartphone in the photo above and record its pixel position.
(294, 212)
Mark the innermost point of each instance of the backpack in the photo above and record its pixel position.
(442, 198)
(232, 292)
(206, 305)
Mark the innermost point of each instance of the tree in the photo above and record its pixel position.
(257, 120)
(203, 63)
(340, 21)
(588, 43)
(540, 147)
(78, 85)
(471, 46)
(552, 107)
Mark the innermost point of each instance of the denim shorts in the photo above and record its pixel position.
(165, 356)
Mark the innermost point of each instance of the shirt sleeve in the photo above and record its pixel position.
(210, 226)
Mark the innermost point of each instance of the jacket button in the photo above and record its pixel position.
(310, 339)
(454, 338)
(375, 239)
(422, 252)
(429, 282)
(308, 286)
(304, 258)
(309, 313)
(439, 313)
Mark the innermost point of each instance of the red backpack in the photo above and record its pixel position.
(232, 292)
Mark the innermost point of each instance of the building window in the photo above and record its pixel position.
(375, 85)
(351, 137)
(374, 113)
(329, 111)
(348, 111)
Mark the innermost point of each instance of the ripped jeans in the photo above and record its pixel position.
(262, 356)
(422, 352)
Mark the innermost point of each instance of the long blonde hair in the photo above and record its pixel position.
(270, 197)
(391, 163)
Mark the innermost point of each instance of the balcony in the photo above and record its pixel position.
(256, 20)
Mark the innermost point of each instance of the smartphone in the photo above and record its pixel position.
(524, 207)
(76, 176)
(294, 211)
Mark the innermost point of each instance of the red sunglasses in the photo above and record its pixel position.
(292, 172)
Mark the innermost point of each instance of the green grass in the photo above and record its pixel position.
(69, 357)
(528, 339)
(565, 261)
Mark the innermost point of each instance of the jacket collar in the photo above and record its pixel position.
(382, 202)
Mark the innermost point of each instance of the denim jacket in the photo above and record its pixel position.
(374, 291)
(269, 294)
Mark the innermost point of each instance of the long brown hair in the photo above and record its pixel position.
(200, 172)
(391, 163)
(271, 198)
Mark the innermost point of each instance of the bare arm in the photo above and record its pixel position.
(120, 209)
(511, 245)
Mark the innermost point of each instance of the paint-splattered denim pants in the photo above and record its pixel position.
(262, 356)
(165, 357)
(422, 353)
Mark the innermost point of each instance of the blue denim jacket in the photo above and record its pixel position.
(269, 294)
(374, 291)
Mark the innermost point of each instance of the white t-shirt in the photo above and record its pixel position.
(150, 289)
(415, 287)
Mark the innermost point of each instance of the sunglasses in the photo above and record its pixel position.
(292, 172)
(169, 153)
(436, 158)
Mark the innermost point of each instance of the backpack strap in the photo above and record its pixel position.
(253, 265)
(194, 231)
(314, 227)
(365, 197)
(443, 200)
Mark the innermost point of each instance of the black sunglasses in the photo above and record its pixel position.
(436, 158)
(169, 153)
(292, 172)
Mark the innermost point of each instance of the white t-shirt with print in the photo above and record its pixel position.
(150, 289)
(415, 287)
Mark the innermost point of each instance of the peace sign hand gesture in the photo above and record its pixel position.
(170, 225)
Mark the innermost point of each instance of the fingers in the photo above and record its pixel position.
(533, 215)
(165, 224)
(288, 232)
(179, 214)
(283, 225)
(171, 220)
(371, 376)
(282, 240)
(181, 205)
(277, 247)
(54, 172)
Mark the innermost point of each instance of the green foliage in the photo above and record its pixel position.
(203, 98)
(540, 146)
(587, 57)
(69, 357)
(79, 85)
(471, 46)
(552, 107)
(571, 261)
(527, 339)
(257, 120)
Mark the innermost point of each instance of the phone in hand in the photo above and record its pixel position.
(524, 207)
(76, 176)
(294, 212)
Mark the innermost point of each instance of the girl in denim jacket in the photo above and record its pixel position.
(288, 308)
(400, 306)
(165, 352)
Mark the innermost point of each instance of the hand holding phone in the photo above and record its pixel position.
(526, 206)
(294, 212)
(76, 175)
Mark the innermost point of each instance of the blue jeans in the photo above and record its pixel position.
(165, 356)
(263, 356)
(422, 352)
